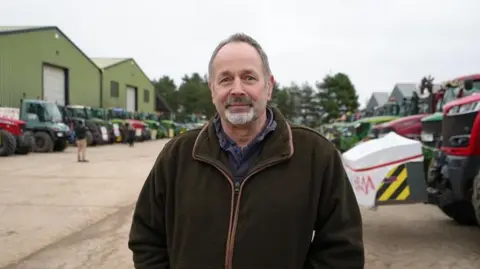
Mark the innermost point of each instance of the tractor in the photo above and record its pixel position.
(44, 122)
(153, 122)
(391, 170)
(13, 137)
(414, 110)
(119, 117)
(98, 129)
(454, 173)
(431, 135)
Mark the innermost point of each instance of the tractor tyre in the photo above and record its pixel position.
(89, 138)
(462, 212)
(8, 144)
(476, 197)
(29, 142)
(60, 145)
(43, 142)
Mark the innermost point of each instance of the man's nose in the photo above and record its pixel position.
(237, 87)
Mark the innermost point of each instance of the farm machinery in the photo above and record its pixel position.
(154, 123)
(392, 170)
(99, 131)
(43, 122)
(120, 118)
(13, 136)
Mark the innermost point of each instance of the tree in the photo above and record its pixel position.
(310, 106)
(194, 96)
(337, 95)
(166, 88)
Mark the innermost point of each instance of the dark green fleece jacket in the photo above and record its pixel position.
(191, 215)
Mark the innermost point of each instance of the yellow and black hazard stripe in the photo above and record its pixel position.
(394, 186)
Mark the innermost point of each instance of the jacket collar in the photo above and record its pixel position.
(278, 144)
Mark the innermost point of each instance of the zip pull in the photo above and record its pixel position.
(237, 187)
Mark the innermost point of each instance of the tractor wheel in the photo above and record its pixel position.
(8, 144)
(461, 212)
(60, 145)
(29, 142)
(43, 142)
(476, 197)
(89, 138)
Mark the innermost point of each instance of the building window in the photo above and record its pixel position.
(114, 92)
(146, 96)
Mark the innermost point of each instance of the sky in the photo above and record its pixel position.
(377, 43)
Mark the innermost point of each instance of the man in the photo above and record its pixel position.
(81, 136)
(247, 190)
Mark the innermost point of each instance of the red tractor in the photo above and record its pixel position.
(13, 138)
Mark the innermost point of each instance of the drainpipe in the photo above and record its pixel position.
(101, 88)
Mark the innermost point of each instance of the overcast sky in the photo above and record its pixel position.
(376, 42)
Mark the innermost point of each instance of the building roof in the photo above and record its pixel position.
(407, 89)
(8, 30)
(381, 97)
(108, 62)
(14, 28)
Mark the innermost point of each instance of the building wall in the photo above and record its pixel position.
(127, 74)
(21, 59)
(372, 103)
(396, 95)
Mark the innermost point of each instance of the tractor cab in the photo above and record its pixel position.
(450, 91)
(44, 121)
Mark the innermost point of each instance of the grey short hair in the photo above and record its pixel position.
(241, 38)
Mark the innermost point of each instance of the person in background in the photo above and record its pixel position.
(81, 137)
(130, 134)
(248, 190)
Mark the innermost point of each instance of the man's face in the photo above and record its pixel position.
(240, 91)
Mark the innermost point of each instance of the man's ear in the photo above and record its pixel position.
(270, 83)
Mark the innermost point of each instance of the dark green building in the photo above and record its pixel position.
(42, 62)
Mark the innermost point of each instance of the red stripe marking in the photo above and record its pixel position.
(384, 164)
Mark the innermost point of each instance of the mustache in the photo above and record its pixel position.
(241, 100)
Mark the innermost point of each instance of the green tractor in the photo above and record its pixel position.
(101, 115)
(360, 130)
(119, 117)
(157, 130)
(45, 123)
(173, 128)
(98, 129)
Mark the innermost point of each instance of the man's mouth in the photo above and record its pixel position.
(237, 105)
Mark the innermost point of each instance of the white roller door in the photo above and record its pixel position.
(131, 100)
(54, 84)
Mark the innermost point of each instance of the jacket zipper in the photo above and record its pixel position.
(236, 191)
(236, 208)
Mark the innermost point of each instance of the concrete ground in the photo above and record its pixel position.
(56, 213)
